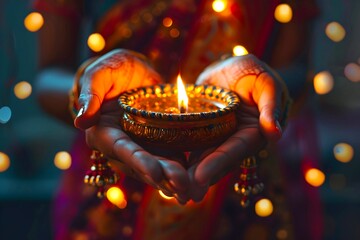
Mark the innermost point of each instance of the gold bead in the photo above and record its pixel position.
(244, 203)
(99, 181)
(86, 179)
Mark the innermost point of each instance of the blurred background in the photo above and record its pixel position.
(33, 146)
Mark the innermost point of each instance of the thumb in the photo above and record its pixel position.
(269, 104)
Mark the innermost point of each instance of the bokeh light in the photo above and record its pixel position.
(174, 33)
(343, 152)
(283, 13)
(127, 230)
(282, 234)
(264, 207)
(22, 90)
(323, 82)
(5, 114)
(352, 72)
(219, 5)
(96, 42)
(62, 160)
(335, 31)
(163, 195)
(33, 21)
(167, 22)
(314, 177)
(4, 162)
(239, 50)
(116, 196)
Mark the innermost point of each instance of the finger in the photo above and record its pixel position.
(93, 90)
(217, 164)
(176, 175)
(177, 180)
(89, 112)
(196, 192)
(139, 159)
(106, 78)
(117, 145)
(267, 94)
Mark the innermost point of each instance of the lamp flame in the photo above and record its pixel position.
(182, 97)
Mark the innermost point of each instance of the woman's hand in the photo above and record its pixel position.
(99, 115)
(262, 95)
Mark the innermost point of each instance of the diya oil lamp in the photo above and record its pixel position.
(183, 117)
(180, 117)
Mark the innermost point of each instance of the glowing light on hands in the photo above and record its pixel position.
(163, 195)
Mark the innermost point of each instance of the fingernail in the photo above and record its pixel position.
(164, 191)
(81, 112)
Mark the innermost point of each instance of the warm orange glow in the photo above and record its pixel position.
(22, 90)
(219, 5)
(314, 177)
(182, 97)
(352, 72)
(282, 234)
(323, 82)
(239, 50)
(174, 33)
(116, 196)
(127, 231)
(264, 207)
(283, 13)
(343, 152)
(335, 31)
(62, 160)
(4, 162)
(163, 195)
(96, 42)
(33, 21)
(167, 22)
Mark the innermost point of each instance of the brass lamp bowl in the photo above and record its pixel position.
(151, 117)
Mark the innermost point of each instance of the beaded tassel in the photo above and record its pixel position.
(249, 184)
(100, 174)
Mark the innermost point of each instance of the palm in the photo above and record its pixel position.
(208, 166)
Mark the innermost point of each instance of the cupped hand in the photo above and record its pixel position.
(101, 84)
(262, 94)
